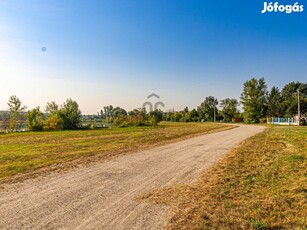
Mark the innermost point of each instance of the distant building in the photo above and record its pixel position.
(283, 121)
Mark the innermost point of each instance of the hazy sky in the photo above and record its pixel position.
(119, 51)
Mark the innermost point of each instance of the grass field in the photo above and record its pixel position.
(262, 184)
(30, 151)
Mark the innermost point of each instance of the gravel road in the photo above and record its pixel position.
(103, 196)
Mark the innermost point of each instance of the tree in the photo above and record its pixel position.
(178, 116)
(154, 120)
(208, 108)
(158, 115)
(229, 109)
(168, 116)
(70, 114)
(35, 120)
(185, 114)
(16, 110)
(254, 100)
(193, 115)
(107, 111)
(274, 103)
(121, 121)
(115, 112)
(137, 117)
(290, 99)
(52, 108)
(4, 121)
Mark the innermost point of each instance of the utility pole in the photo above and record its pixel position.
(214, 115)
(298, 107)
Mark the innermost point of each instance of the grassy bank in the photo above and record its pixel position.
(260, 185)
(29, 151)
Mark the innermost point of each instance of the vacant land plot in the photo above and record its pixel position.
(27, 152)
(260, 185)
(106, 195)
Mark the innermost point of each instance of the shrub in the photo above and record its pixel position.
(125, 124)
(120, 119)
(35, 120)
(262, 120)
(154, 120)
(54, 122)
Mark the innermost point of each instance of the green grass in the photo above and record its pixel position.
(29, 151)
(262, 184)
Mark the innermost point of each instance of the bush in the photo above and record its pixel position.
(54, 122)
(120, 119)
(304, 120)
(237, 119)
(35, 120)
(154, 120)
(262, 120)
(125, 124)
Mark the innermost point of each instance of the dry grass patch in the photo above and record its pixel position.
(259, 185)
(38, 152)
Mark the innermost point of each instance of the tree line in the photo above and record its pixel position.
(256, 100)
(69, 117)
(55, 117)
(257, 103)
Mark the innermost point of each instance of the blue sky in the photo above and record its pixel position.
(117, 52)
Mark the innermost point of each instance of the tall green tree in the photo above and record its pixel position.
(52, 108)
(229, 109)
(185, 114)
(35, 120)
(70, 114)
(115, 112)
(54, 120)
(16, 112)
(158, 114)
(107, 111)
(254, 101)
(193, 115)
(290, 98)
(207, 109)
(178, 116)
(274, 103)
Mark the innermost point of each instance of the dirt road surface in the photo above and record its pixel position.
(103, 196)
